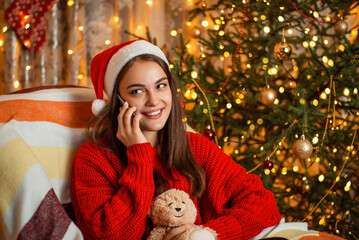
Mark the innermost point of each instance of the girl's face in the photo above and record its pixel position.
(145, 85)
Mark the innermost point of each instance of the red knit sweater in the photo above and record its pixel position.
(111, 201)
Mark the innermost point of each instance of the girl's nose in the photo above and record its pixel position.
(152, 99)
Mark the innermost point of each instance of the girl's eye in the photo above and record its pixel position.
(136, 91)
(161, 85)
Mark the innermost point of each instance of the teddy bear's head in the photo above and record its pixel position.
(172, 208)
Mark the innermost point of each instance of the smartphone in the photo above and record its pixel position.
(122, 101)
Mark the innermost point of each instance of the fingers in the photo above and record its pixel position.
(176, 232)
(125, 116)
(129, 131)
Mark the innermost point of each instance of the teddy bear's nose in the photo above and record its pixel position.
(178, 209)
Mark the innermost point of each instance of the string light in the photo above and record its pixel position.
(16, 84)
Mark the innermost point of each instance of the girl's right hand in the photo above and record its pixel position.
(128, 131)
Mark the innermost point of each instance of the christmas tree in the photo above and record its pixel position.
(275, 84)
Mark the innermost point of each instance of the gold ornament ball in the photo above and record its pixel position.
(282, 51)
(195, 32)
(302, 149)
(341, 27)
(268, 96)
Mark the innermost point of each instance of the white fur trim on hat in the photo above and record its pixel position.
(97, 106)
(125, 54)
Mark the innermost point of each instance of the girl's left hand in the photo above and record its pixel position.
(178, 231)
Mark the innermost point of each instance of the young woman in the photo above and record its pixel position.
(141, 148)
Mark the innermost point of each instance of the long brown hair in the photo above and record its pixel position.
(174, 148)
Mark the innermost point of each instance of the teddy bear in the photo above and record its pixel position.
(174, 208)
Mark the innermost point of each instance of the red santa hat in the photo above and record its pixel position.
(106, 66)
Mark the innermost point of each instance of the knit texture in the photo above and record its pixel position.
(112, 200)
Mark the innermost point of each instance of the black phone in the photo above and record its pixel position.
(122, 101)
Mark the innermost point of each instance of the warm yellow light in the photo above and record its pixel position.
(305, 44)
(307, 30)
(276, 101)
(205, 111)
(325, 59)
(355, 91)
(315, 14)
(172, 66)
(1, 43)
(281, 19)
(315, 102)
(315, 38)
(284, 171)
(255, 19)
(70, 3)
(116, 19)
(81, 28)
(107, 42)
(229, 106)
(263, 17)
(194, 95)
(149, 2)
(295, 68)
(290, 31)
(295, 168)
(323, 95)
(326, 41)
(266, 29)
(327, 90)
(205, 23)
(346, 92)
(260, 121)
(265, 60)
(216, 27)
(226, 54)
(27, 26)
(330, 62)
(139, 27)
(173, 33)
(28, 67)
(321, 178)
(188, 24)
(272, 71)
(80, 76)
(188, 46)
(70, 52)
(315, 140)
(248, 65)
(16, 84)
(221, 33)
(312, 43)
(4, 29)
(194, 74)
(252, 127)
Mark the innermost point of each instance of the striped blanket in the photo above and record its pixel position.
(40, 132)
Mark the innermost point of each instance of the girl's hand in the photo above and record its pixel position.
(178, 231)
(128, 131)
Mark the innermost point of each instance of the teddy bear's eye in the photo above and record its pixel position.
(170, 204)
(183, 202)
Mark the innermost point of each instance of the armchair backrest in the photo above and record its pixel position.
(41, 130)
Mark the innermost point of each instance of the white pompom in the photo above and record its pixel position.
(97, 106)
(201, 234)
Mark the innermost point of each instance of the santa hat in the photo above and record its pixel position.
(106, 66)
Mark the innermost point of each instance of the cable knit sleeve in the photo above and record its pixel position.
(111, 200)
(234, 204)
